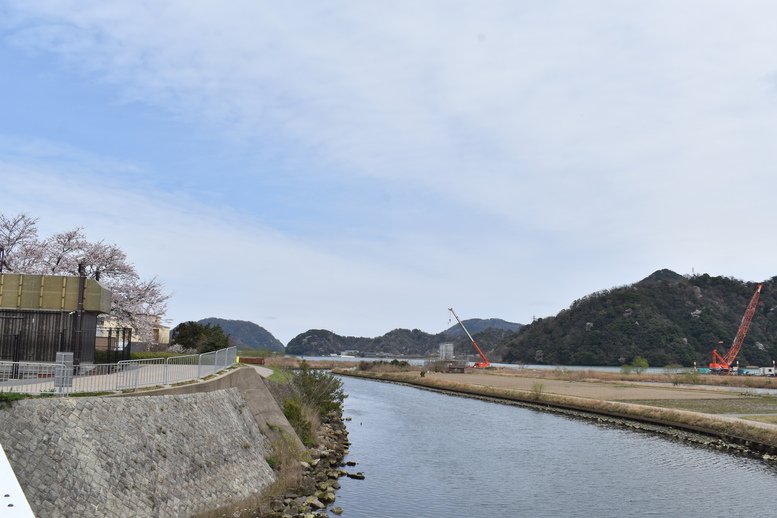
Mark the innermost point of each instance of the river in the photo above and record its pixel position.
(426, 454)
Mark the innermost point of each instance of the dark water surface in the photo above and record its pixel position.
(430, 455)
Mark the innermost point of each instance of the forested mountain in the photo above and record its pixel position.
(476, 325)
(666, 318)
(246, 334)
(404, 342)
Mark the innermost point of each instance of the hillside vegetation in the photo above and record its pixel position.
(476, 325)
(666, 318)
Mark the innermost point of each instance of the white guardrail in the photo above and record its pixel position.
(64, 378)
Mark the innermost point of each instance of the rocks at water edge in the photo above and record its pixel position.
(320, 475)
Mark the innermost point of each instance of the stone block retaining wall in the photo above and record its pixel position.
(151, 456)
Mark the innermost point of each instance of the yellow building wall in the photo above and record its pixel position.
(161, 333)
(51, 292)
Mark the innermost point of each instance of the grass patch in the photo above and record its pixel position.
(295, 363)
(688, 376)
(279, 375)
(7, 398)
(770, 419)
(733, 406)
(91, 394)
(142, 389)
(181, 383)
(284, 458)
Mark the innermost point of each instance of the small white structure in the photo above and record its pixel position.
(446, 352)
(13, 503)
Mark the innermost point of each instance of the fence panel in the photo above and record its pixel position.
(141, 373)
(181, 368)
(104, 377)
(27, 377)
(207, 364)
(65, 379)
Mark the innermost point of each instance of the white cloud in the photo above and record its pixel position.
(506, 150)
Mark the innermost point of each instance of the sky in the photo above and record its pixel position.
(364, 166)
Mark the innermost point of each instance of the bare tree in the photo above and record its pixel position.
(136, 303)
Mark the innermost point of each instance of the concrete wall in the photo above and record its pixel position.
(162, 455)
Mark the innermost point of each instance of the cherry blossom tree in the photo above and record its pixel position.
(18, 235)
(136, 303)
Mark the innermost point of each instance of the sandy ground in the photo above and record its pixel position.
(737, 405)
(622, 391)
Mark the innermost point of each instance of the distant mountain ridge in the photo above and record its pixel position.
(246, 334)
(666, 318)
(488, 333)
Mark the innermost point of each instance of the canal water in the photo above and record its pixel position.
(425, 454)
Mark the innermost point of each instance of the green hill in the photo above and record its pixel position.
(406, 342)
(476, 325)
(246, 334)
(666, 318)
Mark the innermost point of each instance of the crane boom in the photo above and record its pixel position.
(485, 362)
(723, 364)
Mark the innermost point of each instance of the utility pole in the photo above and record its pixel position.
(79, 314)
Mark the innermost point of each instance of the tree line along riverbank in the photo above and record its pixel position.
(658, 405)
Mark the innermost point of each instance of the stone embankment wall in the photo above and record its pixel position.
(162, 455)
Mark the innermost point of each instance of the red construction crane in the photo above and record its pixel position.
(723, 364)
(485, 362)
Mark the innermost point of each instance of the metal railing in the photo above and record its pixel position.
(128, 375)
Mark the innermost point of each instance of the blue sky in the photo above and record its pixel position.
(363, 166)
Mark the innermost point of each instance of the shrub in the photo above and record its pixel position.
(322, 391)
(537, 387)
(690, 377)
(639, 365)
(293, 411)
(383, 365)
